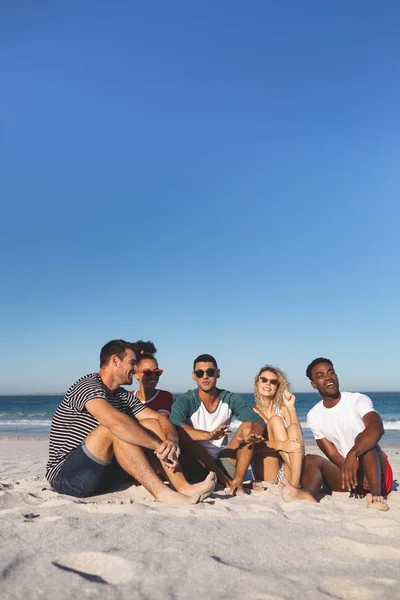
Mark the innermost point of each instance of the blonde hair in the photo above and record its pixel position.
(282, 386)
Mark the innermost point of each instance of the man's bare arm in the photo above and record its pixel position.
(365, 441)
(369, 438)
(199, 435)
(121, 425)
(331, 452)
(255, 434)
(169, 449)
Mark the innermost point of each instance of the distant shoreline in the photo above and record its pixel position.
(178, 393)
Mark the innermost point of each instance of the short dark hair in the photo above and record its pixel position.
(205, 358)
(316, 361)
(115, 347)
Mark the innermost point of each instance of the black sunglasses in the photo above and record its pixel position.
(210, 372)
(271, 381)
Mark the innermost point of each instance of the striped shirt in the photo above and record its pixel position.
(72, 422)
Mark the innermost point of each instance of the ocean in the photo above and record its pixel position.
(31, 415)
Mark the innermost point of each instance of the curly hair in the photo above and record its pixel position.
(283, 384)
(145, 350)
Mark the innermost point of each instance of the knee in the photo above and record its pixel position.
(369, 456)
(152, 425)
(101, 433)
(244, 429)
(275, 422)
(312, 461)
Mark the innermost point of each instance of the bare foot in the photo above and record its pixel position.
(377, 502)
(291, 493)
(168, 496)
(236, 489)
(259, 486)
(201, 490)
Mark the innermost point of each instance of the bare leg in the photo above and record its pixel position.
(277, 432)
(266, 463)
(371, 467)
(177, 478)
(296, 458)
(371, 463)
(319, 470)
(102, 444)
(291, 493)
(194, 453)
(241, 455)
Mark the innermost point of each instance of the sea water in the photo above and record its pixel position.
(31, 415)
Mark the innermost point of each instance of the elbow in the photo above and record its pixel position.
(162, 416)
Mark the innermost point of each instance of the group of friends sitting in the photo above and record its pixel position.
(103, 435)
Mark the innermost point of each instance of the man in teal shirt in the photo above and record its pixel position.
(203, 417)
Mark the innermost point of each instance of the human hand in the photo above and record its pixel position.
(251, 438)
(349, 472)
(291, 446)
(219, 432)
(288, 399)
(168, 453)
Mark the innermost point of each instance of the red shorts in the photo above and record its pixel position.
(387, 481)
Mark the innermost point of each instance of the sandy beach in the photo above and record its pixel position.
(124, 545)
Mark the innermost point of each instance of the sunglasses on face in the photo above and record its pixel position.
(271, 381)
(149, 372)
(200, 373)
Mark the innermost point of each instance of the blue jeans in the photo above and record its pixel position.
(82, 475)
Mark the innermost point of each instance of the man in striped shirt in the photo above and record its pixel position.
(101, 432)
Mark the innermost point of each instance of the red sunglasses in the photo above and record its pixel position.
(150, 372)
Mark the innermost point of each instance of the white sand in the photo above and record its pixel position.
(125, 546)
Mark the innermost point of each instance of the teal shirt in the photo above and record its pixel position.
(189, 409)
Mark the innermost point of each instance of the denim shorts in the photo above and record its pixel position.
(82, 475)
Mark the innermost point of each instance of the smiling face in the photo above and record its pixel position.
(147, 380)
(125, 367)
(267, 384)
(205, 375)
(325, 380)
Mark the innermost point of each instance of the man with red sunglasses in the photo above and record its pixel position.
(203, 417)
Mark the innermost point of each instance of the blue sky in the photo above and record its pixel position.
(217, 177)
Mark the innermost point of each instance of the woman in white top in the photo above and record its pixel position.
(281, 455)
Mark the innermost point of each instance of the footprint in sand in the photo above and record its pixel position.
(347, 547)
(135, 509)
(367, 588)
(6, 486)
(100, 567)
(15, 499)
(50, 519)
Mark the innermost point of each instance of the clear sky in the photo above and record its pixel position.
(217, 176)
